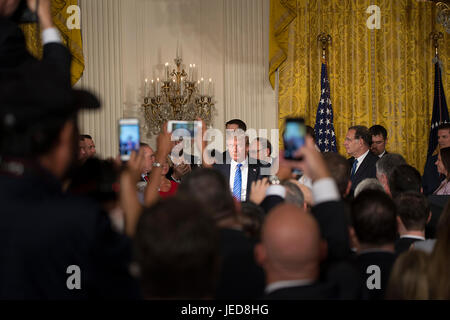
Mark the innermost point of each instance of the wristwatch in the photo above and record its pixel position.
(157, 164)
(274, 180)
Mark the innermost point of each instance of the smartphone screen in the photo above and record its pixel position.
(293, 137)
(187, 128)
(128, 137)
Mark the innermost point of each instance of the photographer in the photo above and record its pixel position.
(13, 51)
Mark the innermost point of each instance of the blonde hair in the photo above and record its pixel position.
(408, 279)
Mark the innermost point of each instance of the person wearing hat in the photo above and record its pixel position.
(52, 245)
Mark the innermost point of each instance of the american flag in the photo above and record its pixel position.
(324, 128)
(440, 111)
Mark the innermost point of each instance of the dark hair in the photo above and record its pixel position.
(339, 169)
(373, 216)
(35, 140)
(241, 124)
(310, 131)
(377, 130)
(177, 250)
(266, 142)
(413, 209)
(252, 219)
(445, 158)
(444, 126)
(143, 144)
(209, 187)
(95, 178)
(85, 136)
(404, 178)
(388, 163)
(361, 132)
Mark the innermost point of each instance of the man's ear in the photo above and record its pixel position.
(399, 223)
(260, 254)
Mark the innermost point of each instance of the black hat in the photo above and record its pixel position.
(39, 92)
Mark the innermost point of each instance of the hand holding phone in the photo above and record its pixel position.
(293, 138)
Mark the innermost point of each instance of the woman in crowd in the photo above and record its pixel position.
(443, 167)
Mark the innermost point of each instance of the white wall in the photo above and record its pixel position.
(126, 41)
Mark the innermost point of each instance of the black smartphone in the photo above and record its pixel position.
(293, 137)
(23, 14)
(128, 137)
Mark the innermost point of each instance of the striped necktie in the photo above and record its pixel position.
(237, 186)
(355, 164)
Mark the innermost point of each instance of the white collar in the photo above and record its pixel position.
(360, 159)
(243, 163)
(287, 284)
(412, 237)
(381, 155)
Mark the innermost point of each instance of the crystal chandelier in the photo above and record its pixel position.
(178, 97)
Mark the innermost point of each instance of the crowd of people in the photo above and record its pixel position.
(242, 223)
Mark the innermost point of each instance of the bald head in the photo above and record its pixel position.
(290, 244)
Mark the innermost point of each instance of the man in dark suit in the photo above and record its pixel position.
(362, 161)
(13, 52)
(373, 216)
(239, 171)
(431, 177)
(379, 140)
(413, 213)
(386, 166)
(290, 253)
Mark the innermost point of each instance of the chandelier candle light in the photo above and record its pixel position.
(178, 97)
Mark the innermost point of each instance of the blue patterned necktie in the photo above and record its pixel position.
(355, 163)
(237, 186)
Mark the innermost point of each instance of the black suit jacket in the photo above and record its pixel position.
(44, 231)
(315, 291)
(366, 169)
(437, 205)
(14, 55)
(403, 244)
(254, 174)
(384, 260)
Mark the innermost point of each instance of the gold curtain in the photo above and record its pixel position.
(377, 76)
(70, 38)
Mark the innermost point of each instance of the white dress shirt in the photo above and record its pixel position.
(381, 155)
(287, 284)
(51, 35)
(244, 177)
(361, 159)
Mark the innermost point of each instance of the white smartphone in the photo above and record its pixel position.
(129, 137)
(189, 127)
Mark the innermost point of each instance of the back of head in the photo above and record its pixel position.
(368, 184)
(310, 132)
(413, 210)
(408, 279)
(388, 163)
(438, 275)
(404, 178)
(291, 239)
(339, 169)
(209, 187)
(95, 178)
(293, 194)
(177, 245)
(361, 132)
(252, 219)
(373, 216)
(378, 130)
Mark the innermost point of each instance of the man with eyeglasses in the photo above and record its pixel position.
(379, 139)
